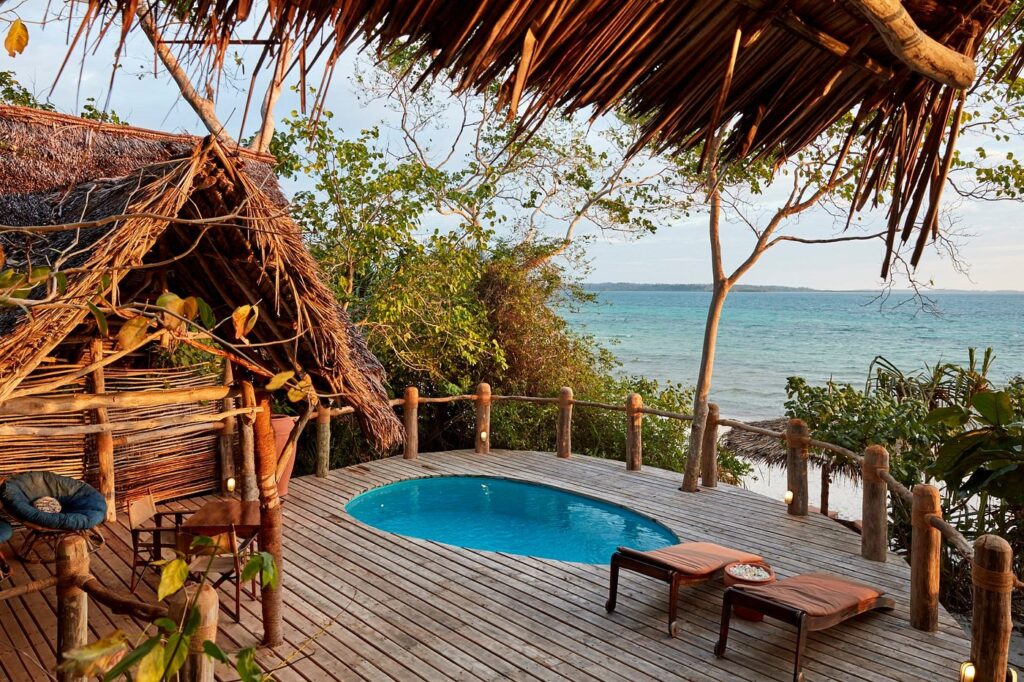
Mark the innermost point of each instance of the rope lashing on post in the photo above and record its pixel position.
(995, 581)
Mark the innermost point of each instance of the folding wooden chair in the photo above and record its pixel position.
(149, 535)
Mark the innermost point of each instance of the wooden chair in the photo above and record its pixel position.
(149, 534)
(222, 562)
(688, 563)
(815, 601)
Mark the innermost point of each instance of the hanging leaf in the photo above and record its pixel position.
(11, 278)
(189, 308)
(246, 667)
(172, 578)
(97, 658)
(173, 304)
(206, 313)
(211, 649)
(131, 659)
(62, 282)
(38, 274)
(17, 38)
(175, 653)
(101, 319)
(132, 332)
(279, 379)
(244, 319)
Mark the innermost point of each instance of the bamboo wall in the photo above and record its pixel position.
(169, 462)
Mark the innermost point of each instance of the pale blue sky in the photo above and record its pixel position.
(677, 253)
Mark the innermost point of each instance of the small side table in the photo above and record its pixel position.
(730, 580)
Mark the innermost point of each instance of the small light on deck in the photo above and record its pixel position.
(788, 497)
(483, 435)
(231, 485)
(967, 672)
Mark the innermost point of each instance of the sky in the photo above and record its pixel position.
(676, 253)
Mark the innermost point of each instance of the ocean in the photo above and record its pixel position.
(766, 337)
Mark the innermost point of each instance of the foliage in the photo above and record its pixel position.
(92, 112)
(160, 650)
(15, 94)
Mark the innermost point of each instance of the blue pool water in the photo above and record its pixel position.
(514, 517)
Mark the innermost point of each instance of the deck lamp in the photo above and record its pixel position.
(483, 435)
(967, 672)
(231, 485)
(788, 497)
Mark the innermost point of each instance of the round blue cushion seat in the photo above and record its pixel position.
(5, 532)
(82, 506)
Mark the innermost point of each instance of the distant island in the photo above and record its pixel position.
(634, 286)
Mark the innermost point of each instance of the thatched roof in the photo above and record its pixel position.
(776, 73)
(57, 169)
(772, 451)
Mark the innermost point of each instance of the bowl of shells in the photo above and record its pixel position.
(748, 573)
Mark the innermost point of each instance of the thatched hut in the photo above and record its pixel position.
(115, 217)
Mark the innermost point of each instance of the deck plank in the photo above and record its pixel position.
(388, 607)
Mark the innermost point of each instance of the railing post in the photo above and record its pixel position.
(874, 536)
(797, 435)
(563, 434)
(483, 418)
(104, 440)
(826, 483)
(248, 485)
(410, 412)
(270, 517)
(709, 449)
(226, 439)
(992, 620)
(198, 667)
(72, 601)
(925, 547)
(634, 431)
(323, 440)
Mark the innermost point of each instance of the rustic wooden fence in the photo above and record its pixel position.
(991, 556)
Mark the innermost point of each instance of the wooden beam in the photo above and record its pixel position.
(226, 440)
(37, 405)
(104, 439)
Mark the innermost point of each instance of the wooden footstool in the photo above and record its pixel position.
(815, 601)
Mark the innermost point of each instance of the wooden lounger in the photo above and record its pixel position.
(688, 563)
(810, 602)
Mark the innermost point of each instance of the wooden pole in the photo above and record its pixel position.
(709, 449)
(797, 437)
(483, 419)
(248, 488)
(270, 519)
(198, 667)
(563, 431)
(826, 484)
(104, 439)
(226, 440)
(323, 440)
(634, 432)
(992, 620)
(925, 548)
(874, 535)
(72, 601)
(410, 419)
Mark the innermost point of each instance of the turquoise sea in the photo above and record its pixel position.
(766, 337)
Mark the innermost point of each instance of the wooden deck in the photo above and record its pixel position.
(391, 607)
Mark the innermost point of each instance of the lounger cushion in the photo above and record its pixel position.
(817, 594)
(82, 506)
(5, 532)
(699, 558)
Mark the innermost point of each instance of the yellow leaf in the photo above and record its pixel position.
(190, 308)
(17, 38)
(279, 379)
(300, 392)
(132, 332)
(252, 319)
(240, 318)
(172, 578)
(97, 658)
(151, 667)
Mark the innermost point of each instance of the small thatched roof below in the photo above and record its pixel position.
(772, 451)
(169, 213)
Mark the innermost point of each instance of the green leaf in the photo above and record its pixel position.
(206, 313)
(175, 654)
(201, 541)
(132, 332)
(995, 406)
(101, 319)
(953, 415)
(215, 652)
(62, 282)
(278, 380)
(172, 578)
(166, 624)
(261, 564)
(245, 666)
(131, 659)
(192, 622)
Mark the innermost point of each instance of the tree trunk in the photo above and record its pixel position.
(703, 389)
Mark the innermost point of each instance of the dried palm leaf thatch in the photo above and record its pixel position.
(774, 73)
(174, 212)
(772, 451)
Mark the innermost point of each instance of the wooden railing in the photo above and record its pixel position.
(991, 556)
